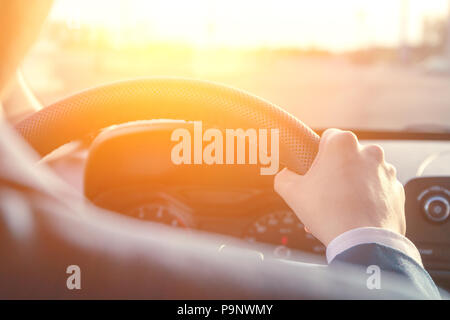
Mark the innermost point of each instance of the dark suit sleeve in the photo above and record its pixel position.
(395, 268)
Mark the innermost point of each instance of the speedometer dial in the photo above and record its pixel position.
(159, 213)
(284, 230)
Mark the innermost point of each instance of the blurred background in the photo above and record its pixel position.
(357, 64)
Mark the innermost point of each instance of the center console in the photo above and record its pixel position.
(428, 224)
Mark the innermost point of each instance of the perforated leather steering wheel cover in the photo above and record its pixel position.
(168, 98)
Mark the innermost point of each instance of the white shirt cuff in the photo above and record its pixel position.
(366, 235)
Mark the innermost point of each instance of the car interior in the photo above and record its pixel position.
(104, 130)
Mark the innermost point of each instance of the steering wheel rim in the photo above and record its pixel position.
(175, 98)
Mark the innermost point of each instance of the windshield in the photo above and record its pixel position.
(369, 65)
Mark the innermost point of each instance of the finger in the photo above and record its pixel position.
(329, 132)
(391, 170)
(337, 142)
(322, 147)
(326, 135)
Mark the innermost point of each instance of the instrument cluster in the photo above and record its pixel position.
(279, 228)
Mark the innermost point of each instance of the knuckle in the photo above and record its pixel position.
(391, 170)
(375, 151)
(329, 132)
(344, 140)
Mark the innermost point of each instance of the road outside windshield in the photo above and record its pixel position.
(373, 65)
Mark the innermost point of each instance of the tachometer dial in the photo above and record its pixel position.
(284, 230)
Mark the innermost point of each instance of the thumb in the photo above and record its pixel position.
(286, 181)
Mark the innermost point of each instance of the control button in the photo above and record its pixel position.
(437, 208)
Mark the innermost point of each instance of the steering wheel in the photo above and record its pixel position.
(168, 98)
